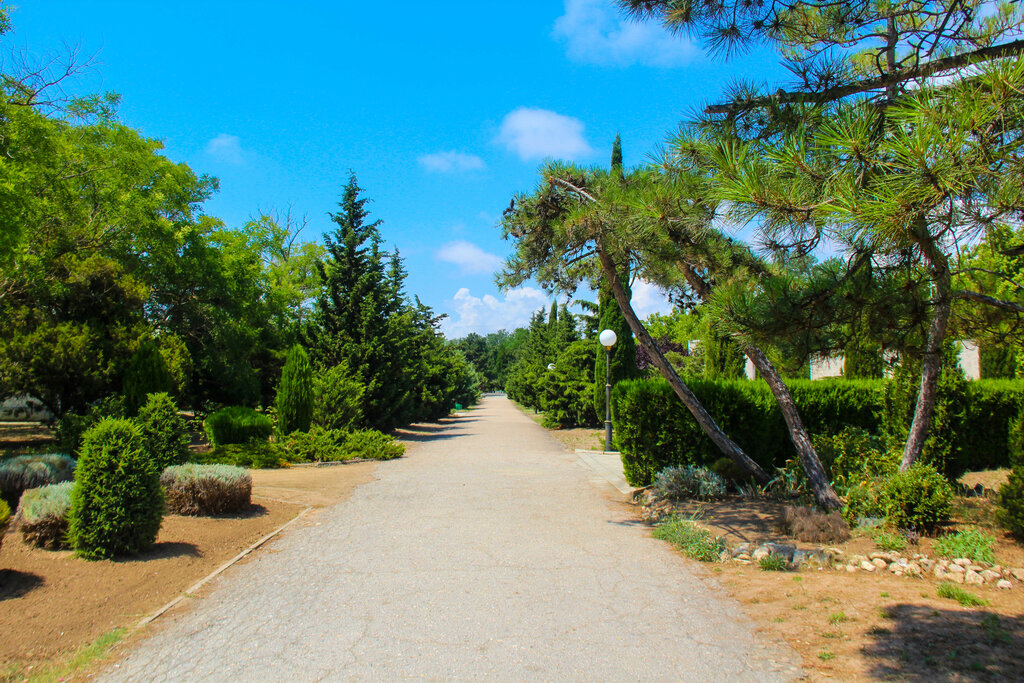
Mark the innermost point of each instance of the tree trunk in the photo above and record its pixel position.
(931, 366)
(816, 475)
(706, 422)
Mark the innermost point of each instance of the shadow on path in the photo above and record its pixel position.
(14, 584)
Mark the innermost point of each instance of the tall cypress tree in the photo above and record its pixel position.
(295, 392)
(623, 355)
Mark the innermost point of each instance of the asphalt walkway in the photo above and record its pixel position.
(488, 553)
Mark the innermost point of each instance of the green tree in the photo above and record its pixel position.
(146, 374)
(295, 393)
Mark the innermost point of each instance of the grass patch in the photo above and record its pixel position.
(970, 543)
(81, 658)
(773, 562)
(826, 655)
(839, 617)
(888, 540)
(951, 591)
(690, 539)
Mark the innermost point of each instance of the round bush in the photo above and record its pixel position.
(206, 489)
(43, 514)
(919, 498)
(680, 483)
(5, 519)
(1011, 502)
(24, 472)
(863, 500)
(163, 430)
(117, 504)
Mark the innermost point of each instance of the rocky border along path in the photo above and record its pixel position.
(485, 554)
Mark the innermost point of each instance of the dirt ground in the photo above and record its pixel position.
(52, 603)
(861, 627)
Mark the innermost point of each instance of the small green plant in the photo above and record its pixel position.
(1011, 501)
(888, 540)
(116, 505)
(44, 515)
(24, 472)
(863, 503)
(994, 629)
(681, 483)
(773, 562)
(973, 544)
(690, 539)
(919, 498)
(826, 655)
(839, 617)
(295, 393)
(5, 519)
(318, 444)
(236, 425)
(163, 430)
(193, 489)
(831, 634)
(255, 455)
(951, 591)
(371, 445)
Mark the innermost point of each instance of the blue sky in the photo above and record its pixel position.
(443, 110)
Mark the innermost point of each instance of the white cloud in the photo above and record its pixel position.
(227, 149)
(539, 133)
(490, 314)
(595, 32)
(450, 162)
(648, 298)
(470, 258)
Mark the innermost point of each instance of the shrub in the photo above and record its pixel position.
(146, 374)
(318, 444)
(255, 455)
(71, 426)
(773, 562)
(919, 498)
(690, 539)
(371, 445)
(680, 483)
(970, 543)
(25, 472)
(237, 424)
(811, 525)
(889, 540)
(117, 504)
(854, 456)
(164, 431)
(1011, 502)
(863, 501)
(193, 489)
(727, 469)
(5, 519)
(43, 514)
(339, 398)
(294, 401)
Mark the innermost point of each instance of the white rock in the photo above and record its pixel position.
(989, 575)
(963, 561)
(850, 568)
(954, 577)
(879, 562)
(1004, 584)
(956, 569)
(1017, 573)
(867, 566)
(973, 578)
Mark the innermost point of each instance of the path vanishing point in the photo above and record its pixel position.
(487, 553)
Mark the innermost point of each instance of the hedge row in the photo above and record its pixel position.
(654, 430)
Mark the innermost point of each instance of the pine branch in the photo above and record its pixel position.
(991, 301)
(925, 70)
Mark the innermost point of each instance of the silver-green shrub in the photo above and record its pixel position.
(43, 514)
(24, 472)
(192, 489)
(680, 483)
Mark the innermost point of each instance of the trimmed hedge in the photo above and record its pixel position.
(237, 424)
(193, 489)
(24, 472)
(44, 515)
(163, 430)
(654, 430)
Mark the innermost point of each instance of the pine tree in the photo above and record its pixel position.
(147, 373)
(295, 393)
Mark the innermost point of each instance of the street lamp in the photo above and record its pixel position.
(607, 339)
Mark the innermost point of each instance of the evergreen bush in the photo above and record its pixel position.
(863, 500)
(295, 393)
(43, 514)
(683, 483)
(193, 489)
(318, 444)
(146, 374)
(164, 431)
(117, 505)
(23, 472)
(371, 445)
(919, 498)
(339, 397)
(237, 425)
(254, 455)
(72, 425)
(1011, 502)
(5, 519)
(854, 456)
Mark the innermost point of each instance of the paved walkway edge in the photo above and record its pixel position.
(608, 465)
(220, 570)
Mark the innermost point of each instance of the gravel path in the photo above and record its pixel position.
(485, 554)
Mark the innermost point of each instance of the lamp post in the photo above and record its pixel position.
(607, 339)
